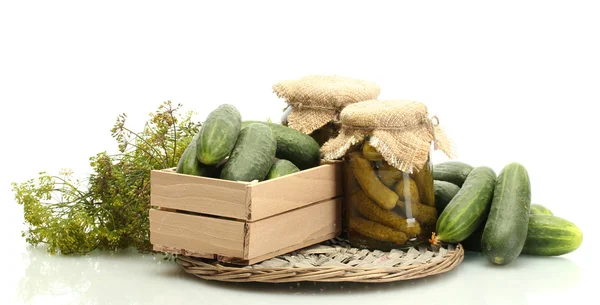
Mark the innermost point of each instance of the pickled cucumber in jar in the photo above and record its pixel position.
(389, 175)
(371, 153)
(383, 204)
(371, 211)
(424, 180)
(407, 189)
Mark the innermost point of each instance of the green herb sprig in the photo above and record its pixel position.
(109, 209)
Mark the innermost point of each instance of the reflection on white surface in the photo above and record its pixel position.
(133, 278)
(99, 278)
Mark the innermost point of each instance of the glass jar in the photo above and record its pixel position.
(385, 208)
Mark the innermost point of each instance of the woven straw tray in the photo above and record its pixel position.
(333, 261)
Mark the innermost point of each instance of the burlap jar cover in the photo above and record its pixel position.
(317, 100)
(401, 131)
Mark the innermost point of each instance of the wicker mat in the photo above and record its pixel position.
(334, 261)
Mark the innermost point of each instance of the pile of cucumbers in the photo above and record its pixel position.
(494, 214)
(231, 149)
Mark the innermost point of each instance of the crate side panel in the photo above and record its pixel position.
(294, 229)
(197, 233)
(300, 189)
(198, 194)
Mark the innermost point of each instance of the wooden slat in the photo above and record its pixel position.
(296, 190)
(294, 230)
(198, 194)
(197, 233)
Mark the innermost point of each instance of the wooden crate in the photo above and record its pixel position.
(244, 223)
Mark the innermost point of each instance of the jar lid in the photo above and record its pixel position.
(318, 99)
(400, 130)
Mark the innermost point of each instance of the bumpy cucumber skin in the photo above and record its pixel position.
(468, 209)
(505, 231)
(452, 171)
(538, 209)
(253, 155)
(282, 168)
(549, 235)
(219, 134)
(444, 191)
(294, 146)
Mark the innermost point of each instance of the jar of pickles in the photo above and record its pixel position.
(315, 102)
(388, 183)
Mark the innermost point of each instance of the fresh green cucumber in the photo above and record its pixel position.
(444, 191)
(452, 171)
(294, 146)
(252, 156)
(218, 134)
(467, 210)
(281, 168)
(538, 209)
(189, 165)
(549, 235)
(506, 228)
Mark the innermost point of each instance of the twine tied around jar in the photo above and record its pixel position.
(401, 131)
(318, 99)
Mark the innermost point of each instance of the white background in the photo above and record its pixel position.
(510, 81)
